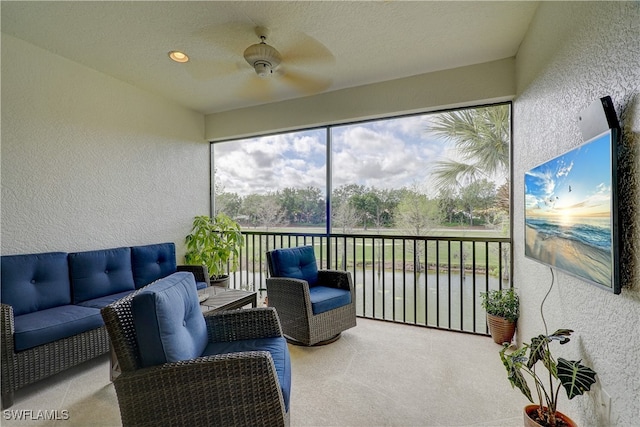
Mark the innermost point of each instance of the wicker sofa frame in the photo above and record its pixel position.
(291, 298)
(239, 389)
(34, 364)
(19, 369)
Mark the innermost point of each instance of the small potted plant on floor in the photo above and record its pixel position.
(503, 310)
(216, 243)
(575, 377)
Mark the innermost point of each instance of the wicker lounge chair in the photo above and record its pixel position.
(240, 388)
(314, 306)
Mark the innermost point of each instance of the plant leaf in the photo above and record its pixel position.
(537, 350)
(575, 377)
(561, 335)
(513, 363)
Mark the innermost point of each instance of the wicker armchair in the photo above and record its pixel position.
(300, 293)
(228, 389)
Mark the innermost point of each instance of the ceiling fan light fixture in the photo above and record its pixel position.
(263, 58)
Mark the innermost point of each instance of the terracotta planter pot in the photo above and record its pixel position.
(529, 422)
(222, 281)
(501, 329)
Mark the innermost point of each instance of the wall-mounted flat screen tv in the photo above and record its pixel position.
(571, 217)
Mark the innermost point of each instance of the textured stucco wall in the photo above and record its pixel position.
(91, 162)
(573, 54)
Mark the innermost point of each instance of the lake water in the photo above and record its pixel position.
(438, 299)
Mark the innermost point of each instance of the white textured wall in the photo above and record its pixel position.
(90, 162)
(488, 82)
(573, 54)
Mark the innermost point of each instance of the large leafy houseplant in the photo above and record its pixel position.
(216, 243)
(536, 361)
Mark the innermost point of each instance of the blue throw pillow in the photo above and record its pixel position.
(295, 263)
(169, 323)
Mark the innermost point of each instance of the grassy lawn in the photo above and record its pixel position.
(362, 252)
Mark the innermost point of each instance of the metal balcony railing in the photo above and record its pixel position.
(427, 281)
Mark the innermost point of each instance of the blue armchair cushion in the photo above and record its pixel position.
(295, 263)
(152, 262)
(35, 282)
(52, 324)
(324, 298)
(96, 274)
(169, 323)
(277, 346)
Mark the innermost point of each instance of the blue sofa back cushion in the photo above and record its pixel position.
(35, 282)
(46, 326)
(169, 323)
(96, 274)
(277, 346)
(152, 262)
(295, 263)
(324, 298)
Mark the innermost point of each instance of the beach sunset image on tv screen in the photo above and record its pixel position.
(568, 212)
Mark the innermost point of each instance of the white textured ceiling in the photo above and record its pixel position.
(347, 43)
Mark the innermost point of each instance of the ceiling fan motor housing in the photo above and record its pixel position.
(263, 58)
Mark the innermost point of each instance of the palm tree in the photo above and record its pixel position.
(481, 137)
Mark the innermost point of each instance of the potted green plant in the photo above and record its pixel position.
(503, 309)
(216, 243)
(575, 377)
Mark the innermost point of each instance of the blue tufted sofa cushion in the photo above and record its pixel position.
(295, 263)
(45, 326)
(169, 323)
(152, 262)
(35, 282)
(96, 274)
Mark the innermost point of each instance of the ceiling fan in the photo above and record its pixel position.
(289, 68)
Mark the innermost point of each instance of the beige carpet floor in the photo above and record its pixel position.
(377, 374)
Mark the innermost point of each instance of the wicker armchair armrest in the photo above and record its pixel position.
(290, 296)
(251, 323)
(200, 272)
(228, 389)
(336, 279)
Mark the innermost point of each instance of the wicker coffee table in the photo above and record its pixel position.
(218, 299)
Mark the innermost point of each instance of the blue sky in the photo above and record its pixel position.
(575, 184)
(384, 154)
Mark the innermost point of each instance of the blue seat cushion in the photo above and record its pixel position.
(45, 326)
(201, 285)
(295, 263)
(104, 301)
(169, 324)
(152, 262)
(277, 346)
(324, 298)
(96, 274)
(35, 282)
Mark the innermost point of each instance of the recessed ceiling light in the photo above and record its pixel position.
(178, 56)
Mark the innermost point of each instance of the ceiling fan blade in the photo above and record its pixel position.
(307, 50)
(257, 88)
(202, 69)
(305, 83)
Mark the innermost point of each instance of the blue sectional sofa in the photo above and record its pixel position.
(50, 311)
